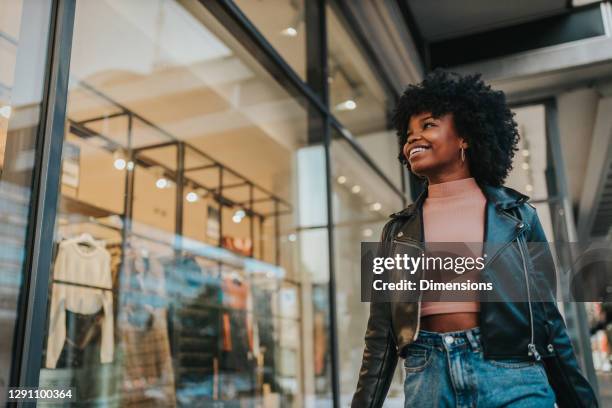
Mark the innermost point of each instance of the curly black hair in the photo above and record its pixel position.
(480, 114)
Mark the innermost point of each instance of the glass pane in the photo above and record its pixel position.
(181, 276)
(24, 29)
(357, 98)
(530, 161)
(362, 203)
(282, 23)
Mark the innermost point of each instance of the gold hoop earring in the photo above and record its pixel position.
(462, 154)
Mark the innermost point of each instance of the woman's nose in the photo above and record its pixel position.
(413, 138)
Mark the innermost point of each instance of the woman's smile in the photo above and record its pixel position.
(417, 151)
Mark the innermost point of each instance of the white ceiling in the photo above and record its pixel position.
(443, 19)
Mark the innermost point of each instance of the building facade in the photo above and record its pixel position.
(185, 186)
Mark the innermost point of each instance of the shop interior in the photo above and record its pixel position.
(175, 280)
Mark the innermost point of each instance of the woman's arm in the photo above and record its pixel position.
(379, 359)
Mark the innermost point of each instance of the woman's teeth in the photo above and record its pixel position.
(417, 150)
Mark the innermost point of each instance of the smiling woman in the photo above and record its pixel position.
(433, 147)
(448, 107)
(460, 136)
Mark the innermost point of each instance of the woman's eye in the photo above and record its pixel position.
(428, 125)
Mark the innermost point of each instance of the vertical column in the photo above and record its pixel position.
(180, 181)
(319, 132)
(45, 193)
(565, 232)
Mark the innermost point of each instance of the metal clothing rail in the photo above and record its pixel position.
(82, 285)
(180, 176)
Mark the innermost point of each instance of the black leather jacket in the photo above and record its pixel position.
(510, 330)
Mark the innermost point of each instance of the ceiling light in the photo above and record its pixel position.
(238, 216)
(192, 197)
(120, 163)
(130, 165)
(119, 160)
(162, 182)
(528, 187)
(341, 179)
(367, 232)
(292, 237)
(525, 153)
(290, 32)
(376, 207)
(347, 105)
(356, 189)
(525, 166)
(6, 111)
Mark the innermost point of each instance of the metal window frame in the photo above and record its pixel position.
(30, 333)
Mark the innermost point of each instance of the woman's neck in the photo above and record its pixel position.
(463, 187)
(459, 174)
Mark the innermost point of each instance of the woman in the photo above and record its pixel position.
(460, 136)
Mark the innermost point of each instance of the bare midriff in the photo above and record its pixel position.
(449, 322)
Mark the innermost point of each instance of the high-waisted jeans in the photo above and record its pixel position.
(448, 370)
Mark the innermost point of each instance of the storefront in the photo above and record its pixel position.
(184, 189)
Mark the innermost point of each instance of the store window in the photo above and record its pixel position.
(357, 97)
(179, 278)
(282, 23)
(24, 29)
(362, 204)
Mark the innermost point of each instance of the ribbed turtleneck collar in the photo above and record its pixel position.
(454, 188)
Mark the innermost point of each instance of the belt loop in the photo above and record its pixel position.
(474, 343)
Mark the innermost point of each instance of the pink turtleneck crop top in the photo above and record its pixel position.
(453, 212)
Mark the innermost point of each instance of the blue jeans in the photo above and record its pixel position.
(448, 370)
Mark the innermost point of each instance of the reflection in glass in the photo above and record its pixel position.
(282, 23)
(23, 43)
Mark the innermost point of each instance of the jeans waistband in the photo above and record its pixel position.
(451, 340)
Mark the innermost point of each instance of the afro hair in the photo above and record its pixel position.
(480, 114)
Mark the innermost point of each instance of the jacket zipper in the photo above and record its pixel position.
(418, 327)
(531, 348)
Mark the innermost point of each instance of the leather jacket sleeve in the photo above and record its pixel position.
(380, 354)
(563, 369)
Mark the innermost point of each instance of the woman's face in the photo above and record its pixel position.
(433, 147)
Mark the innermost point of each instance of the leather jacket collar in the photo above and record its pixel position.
(502, 198)
(501, 224)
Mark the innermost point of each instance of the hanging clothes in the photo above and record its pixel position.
(148, 376)
(81, 262)
(237, 365)
(196, 296)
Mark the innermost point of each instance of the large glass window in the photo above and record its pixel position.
(24, 26)
(180, 276)
(357, 97)
(361, 204)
